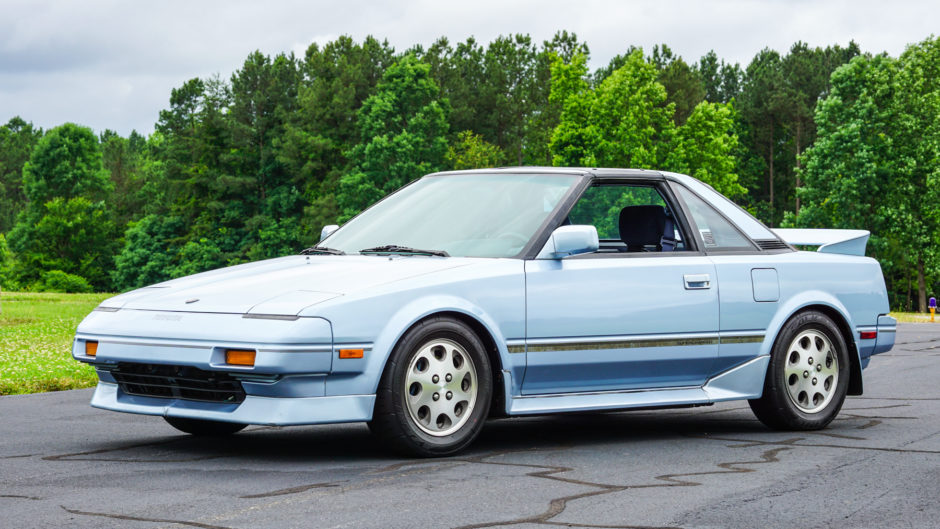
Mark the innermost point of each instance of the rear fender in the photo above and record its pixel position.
(835, 309)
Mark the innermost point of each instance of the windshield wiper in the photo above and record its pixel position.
(322, 249)
(394, 248)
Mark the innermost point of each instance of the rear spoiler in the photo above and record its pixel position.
(848, 242)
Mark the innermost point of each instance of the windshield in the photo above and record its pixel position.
(465, 215)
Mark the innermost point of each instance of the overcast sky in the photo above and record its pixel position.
(112, 64)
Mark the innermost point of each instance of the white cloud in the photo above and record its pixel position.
(110, 64)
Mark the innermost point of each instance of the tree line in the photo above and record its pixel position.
(253, 166)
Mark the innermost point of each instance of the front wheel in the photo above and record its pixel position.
(202, 427)
(808, 376)
(435, 392)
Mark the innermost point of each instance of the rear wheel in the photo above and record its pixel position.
(203, 427)
(435, 392)
(808, 376)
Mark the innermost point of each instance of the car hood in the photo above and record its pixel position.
(283, 286)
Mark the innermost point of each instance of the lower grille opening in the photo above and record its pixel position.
(178, 382)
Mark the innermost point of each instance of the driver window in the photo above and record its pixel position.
(628, 218)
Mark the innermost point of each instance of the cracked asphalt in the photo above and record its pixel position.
(64, 464)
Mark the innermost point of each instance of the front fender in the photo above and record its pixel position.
(362, 376)
(419, 309)
(492, 293)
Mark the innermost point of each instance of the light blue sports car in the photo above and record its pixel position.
(514, 291)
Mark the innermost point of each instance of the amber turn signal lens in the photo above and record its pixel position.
(240, 357)
(351, 353)
(91, 348)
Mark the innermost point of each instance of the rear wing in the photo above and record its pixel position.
(848, 242)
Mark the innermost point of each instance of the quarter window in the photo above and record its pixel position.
(716, 232)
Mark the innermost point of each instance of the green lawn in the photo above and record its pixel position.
(36, 331)
(914, 317)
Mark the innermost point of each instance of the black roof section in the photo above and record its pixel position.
(601, 173)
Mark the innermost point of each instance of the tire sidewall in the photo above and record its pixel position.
(401, 358)
(817, 321)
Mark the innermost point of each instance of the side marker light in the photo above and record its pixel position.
(351, 353)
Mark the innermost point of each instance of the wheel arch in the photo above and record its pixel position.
(498, 402)
(855, 366)
(844, 328)
(413, 314)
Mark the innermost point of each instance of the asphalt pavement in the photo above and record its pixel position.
(65, 464)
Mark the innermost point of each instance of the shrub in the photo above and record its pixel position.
(59, 281)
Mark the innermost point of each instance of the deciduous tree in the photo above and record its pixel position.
(403, 135)
(874, 164)
(17, 139)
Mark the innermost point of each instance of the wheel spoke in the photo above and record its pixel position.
(422, 378)
(794, 370)
(447, 408)
(803, 390)
(461, 371)
(425, 398)
(463, 388)
(833, 365)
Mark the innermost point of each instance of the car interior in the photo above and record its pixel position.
(628, 218)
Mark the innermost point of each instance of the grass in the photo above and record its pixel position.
(914, 317)
(36, 332)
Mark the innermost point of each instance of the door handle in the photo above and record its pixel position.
(697, 281)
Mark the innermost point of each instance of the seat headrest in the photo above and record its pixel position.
(642, 225)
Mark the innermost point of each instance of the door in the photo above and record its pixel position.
(750, 292)
(637, 314)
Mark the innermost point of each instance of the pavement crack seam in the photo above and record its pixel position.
(291, 490)
(878, 407)
(75, 455)
(427, 465)
(558, 505)
(19, 497)
(873, 420)
(795, 442)
(141, 519)
(896, 398)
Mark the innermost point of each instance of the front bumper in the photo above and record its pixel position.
(177, 360)
(276, 411)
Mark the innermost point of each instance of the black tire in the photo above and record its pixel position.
(204, 428)
(796, 395)
(395, 419)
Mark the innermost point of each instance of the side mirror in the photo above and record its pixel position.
(570, 240)
(328, 230)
